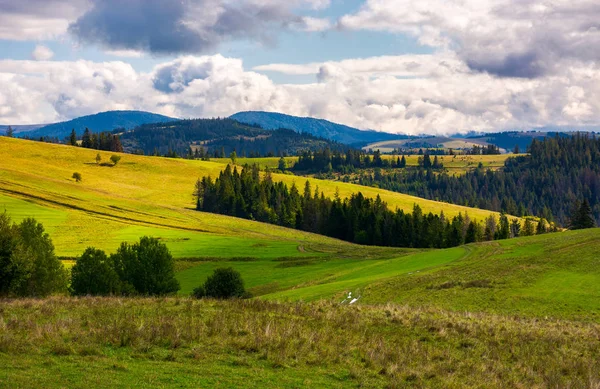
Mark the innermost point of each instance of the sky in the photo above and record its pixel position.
(400, 66)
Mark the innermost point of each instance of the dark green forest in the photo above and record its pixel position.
(557, 173)
(218, 138)
(356, 219)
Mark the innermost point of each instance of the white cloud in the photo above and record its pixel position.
(125, 53)
(440, 96)
(42, 53)
(310, 24)
(523, 38)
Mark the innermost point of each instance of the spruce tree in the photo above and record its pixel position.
(73, 138)
(583, 217)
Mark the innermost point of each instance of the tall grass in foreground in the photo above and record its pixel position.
(371, 346)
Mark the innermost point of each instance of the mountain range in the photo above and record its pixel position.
(317, 127)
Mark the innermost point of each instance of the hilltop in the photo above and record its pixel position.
(317, 127)
(104, 121)
(219, 136)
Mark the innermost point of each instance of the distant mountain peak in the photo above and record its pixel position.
(102, 121)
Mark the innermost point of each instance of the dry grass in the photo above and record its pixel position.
(368, 346)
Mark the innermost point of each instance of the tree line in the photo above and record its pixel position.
(326, 160)
(354, 219)
(106, 141)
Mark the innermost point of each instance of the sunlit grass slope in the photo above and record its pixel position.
(151, 196)
(548, 275)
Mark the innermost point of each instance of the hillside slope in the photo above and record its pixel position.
(104, 121)
(219, 135)
(153, 196)
(317, 127)
(552, 275)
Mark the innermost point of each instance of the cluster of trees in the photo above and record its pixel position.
(489, 149)
(30, 268)
(144, 268)
(217, 138)
(356, 219)
(28, 265)
(558, 172)
(106, 141)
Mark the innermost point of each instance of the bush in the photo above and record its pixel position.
(77, 177)
(94, 274)
(115, 159)
(146, 267)
(222, 284)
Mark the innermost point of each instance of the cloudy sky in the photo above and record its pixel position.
(403, 66)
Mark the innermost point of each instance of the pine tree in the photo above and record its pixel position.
(86, 139)
(73, 138)
(582, 217)
(9, 132)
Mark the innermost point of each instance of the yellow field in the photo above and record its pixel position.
(459, 164)
(153, 196)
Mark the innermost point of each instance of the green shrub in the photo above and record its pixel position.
(115, 159)
(94, 274)
(222, 284)
(146, 267)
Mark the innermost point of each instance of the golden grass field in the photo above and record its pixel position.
(151, 196)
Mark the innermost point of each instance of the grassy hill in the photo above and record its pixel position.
(532, 276)
(512, 314)
(151, 196)
(458, 164)
(517, 313)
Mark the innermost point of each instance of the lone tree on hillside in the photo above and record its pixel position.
(282, 165)
(77, 177)
(222, 284)
(9, 132)
(73, 138)
(115, 159)
(233, 156)
(98, 159)
(582, 217)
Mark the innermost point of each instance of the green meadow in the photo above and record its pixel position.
(520, 313)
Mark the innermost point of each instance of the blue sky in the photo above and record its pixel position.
(434, 66)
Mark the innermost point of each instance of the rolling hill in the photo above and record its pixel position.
(104, 121)
(219, 135)
(523, 312)
(317, 127)
(153, 196)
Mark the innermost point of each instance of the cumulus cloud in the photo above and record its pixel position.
(508, 38)
(188, 26)
(38, 19)
(410, 65)
(42, 53)
(440, 96)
